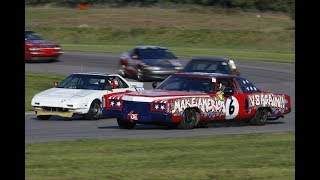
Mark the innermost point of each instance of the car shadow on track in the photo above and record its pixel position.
(210, 125)
(59, 118)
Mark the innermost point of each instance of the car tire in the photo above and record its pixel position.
(125, 124)
(139, 75)
(44, 117)
(94, 111)
(122, 72)
(260, 118)
(190, 119)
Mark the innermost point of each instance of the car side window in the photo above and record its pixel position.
(227, 82)
(246, 86)
(118, 82)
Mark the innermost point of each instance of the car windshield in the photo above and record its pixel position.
(186, 83)
(208, 66)
(83, 81)
(155, 54)
(31, 35)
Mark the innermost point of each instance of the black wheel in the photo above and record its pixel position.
(260, 118)
(139, 75)
(190, 119)
(122, 72)
(44, 117)
(125, 124)
(94, 111)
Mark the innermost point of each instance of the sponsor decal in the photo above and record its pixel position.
(210, 107)
(278, 103)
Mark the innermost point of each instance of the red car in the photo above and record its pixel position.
(188, 100)
(38, 49)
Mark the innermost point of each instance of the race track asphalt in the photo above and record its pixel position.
(275, 77)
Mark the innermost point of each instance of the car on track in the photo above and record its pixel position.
(149, 63)
(189, 100)
(80, 93)
(211, 65)
(38, 49)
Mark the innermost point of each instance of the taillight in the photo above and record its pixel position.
(159, 107)
(103, 102)
(114, 103)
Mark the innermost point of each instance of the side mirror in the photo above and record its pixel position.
(228, 91)
(55, 84)
(154, 84)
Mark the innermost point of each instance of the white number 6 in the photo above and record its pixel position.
(232, 107)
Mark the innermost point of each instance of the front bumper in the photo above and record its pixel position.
(161, 74)
(57, 112)
(42, 56)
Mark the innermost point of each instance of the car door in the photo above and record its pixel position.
(227, 95)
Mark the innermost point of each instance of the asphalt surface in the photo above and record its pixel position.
(275, 77)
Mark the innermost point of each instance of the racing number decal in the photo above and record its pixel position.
(232, 107)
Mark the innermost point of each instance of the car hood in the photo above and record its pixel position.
(41, 42)
(163, 63)
(152, 95)
(64, 94)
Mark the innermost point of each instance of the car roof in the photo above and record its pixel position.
(94, 73)
(221, 59)
(204, 74)
(149, 47)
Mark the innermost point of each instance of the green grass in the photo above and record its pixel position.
(214, 157)
(191, 31)
(35, 83)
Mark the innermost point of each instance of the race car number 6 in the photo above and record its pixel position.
(232, 107)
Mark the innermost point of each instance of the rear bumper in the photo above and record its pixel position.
(150, 118)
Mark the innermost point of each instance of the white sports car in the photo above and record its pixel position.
(80, 93)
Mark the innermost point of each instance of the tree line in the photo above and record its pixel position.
(273, 5)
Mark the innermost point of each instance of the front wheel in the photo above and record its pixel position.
(125, 124)
(94, 111)
(139, 75)
(260, 118)
(122, 71)
(190, 119)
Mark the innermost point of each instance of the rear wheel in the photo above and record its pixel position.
(125, 124)
(190, 119)
(260, 118)
(44, 117)
(94, 111)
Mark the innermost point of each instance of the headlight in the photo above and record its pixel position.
(152, 68)
(57, 48)
(178, 67)
(34, 49)
(232, 64)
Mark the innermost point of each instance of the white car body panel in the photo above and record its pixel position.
(77, 101)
